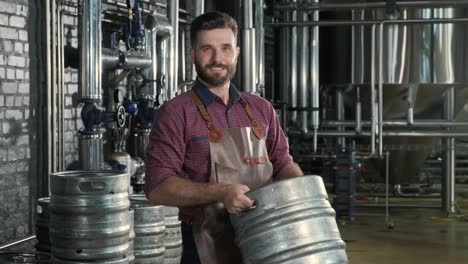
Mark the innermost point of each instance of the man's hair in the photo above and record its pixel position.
(211, 20)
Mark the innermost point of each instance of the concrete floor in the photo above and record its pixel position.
(419, 235)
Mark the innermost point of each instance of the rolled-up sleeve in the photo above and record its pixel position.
(166, 148)
(277, 144)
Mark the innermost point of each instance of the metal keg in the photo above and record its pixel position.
(149, 231)
(42, 225)
(292, 222)
(172, 236)
(89, 218)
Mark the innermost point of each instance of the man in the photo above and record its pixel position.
(211, 145)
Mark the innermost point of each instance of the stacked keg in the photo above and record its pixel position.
(291, 223)
(149, 231)
(42, 225)
(172, 236)
(89, 217)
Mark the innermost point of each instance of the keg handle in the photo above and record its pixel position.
(87, 187)
(254, 205)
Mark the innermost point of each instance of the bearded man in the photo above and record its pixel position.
(212, 144)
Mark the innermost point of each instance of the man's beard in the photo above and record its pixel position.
(217, 78)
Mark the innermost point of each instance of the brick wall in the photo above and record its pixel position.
(16, 134)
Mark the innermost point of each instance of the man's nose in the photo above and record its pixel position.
(218, 56)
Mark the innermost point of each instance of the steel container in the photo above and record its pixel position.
(149, 231)
(42, 225)
(89, 218)
(172, 236)
(292, 222)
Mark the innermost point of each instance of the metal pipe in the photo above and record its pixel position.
(53, 87)
(17, 242)
(173, 43)
(248, 49)
(337, 23)
(284, 63)
(260, 45)
(399, 192)
(398, 123)
(198, 10)
(293, 67)
(332, 133)
(62, 90)
(340, 115)
(410, 111)
(114, 59)
(358, 126)
(387, 169)
(304, 72)
(182, 51)
(367, 5)
(380, 91)
(448, 181)
(151, 50)
(373, 106)
(314, 75)
(90, 42)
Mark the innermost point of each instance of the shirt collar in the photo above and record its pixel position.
(208, 97)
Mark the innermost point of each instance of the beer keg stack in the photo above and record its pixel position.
(90, 218)
(291, 223)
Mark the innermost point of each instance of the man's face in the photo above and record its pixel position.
(215, 56)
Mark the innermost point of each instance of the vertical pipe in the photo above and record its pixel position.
(373, 117)
(260, 44)
(304, 71)
(53, 100)
(380, 92)
(340, 115)
(387, 169)
(151, 49)
(314, 74)
(293, 67)
(248, 49)
(90, 142)
(91, 35)
(448, 199)
(199, 9)
(172, 78)
(49, 93)
(62, 92)
(182, 55)
(284, 59)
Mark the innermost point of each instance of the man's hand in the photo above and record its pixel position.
(234, 198)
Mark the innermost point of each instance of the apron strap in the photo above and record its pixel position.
(215, 134)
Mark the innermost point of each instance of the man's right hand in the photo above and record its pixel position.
(234, 198)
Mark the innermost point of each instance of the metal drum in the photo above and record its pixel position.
(42, 225)
(292, 223)
(149, 231)
(89, 218)
(172, 236)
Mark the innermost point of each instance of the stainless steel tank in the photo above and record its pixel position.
(89, 218)
(292, 222)
(419, 63)
(131, 239)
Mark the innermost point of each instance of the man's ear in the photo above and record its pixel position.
(192, 55)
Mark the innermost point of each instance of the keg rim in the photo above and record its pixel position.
(86, 173)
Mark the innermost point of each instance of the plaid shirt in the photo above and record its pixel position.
(178, 143)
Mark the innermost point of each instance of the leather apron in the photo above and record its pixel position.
(238, 155)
